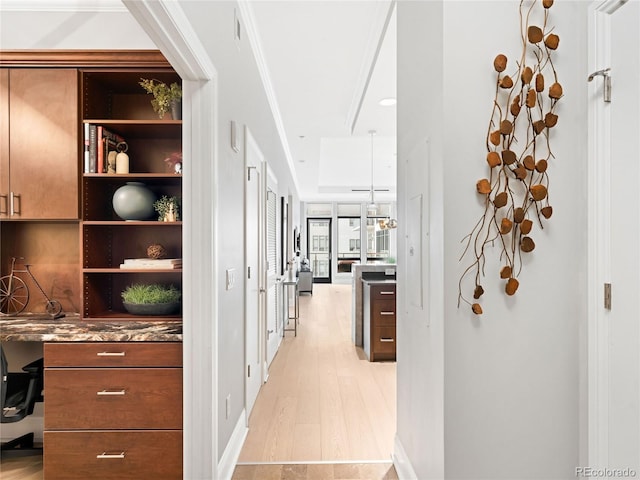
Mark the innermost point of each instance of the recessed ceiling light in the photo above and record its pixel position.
(387, 102)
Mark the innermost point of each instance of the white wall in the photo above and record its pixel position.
(509, 379)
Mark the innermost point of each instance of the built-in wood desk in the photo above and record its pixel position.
(112, 396)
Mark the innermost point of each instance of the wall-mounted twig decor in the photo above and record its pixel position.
(516, 194)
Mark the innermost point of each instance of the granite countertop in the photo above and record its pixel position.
(379, 282)
(39, 328)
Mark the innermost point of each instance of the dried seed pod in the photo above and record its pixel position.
(483, 186)
(520, 172)
(534, 34)
(493, 159)
(527, 75)
(547, 211)
(555, 91)
(500, 200)
(505, 272)
(538, 126)
(478, 291)
(529, 163)
(526, 226)
(500, 63)
(527, 244)
(512, 286)
(518, 214)
(508, 157)
(552, 41)
(550, 120)
(541, 165)
(538, 192)
(506, 127)
(505, 226)
(539, 83)
(515, 108)
(506, 82)
(531, 99)
(547, 3)
(494, 137)
(476, 308)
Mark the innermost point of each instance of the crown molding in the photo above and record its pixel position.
(83, 58)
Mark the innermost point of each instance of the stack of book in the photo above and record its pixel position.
(151, 264)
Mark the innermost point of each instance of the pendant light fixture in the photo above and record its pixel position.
(372, 208)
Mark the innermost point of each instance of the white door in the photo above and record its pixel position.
(615, 330)
(272, 333)
(255, 274)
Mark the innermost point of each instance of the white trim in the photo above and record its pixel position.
(401, 461)
(227, 462)
(246, 13)
(598, 231)
(370, 58)
(167, 26)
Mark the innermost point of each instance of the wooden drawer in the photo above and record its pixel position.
(383, 291)
(116, 354)
(129, 398)
(122, 455)
(383, 343)
(383, 312)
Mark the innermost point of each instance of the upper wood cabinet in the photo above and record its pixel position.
(39, 153)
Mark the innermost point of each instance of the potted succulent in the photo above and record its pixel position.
(151, 299)
(168, 208)
(165, 97)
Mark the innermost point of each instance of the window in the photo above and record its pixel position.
(348, 242)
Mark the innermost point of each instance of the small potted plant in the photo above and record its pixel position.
(165, 97)
(151, 299)
(168, 209)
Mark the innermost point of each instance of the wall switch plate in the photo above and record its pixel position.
(231, 278)
(389, 271)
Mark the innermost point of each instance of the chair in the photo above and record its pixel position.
(19, 393)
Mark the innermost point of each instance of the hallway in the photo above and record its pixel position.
(323, 401)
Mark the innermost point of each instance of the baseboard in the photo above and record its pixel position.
(227, 463)
(401, 462)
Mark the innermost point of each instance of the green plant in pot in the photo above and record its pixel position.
(168, 208)
(151, 299)
(164, 96)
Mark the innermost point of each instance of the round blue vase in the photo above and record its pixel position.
(134, 201)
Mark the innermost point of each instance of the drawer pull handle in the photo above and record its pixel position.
(111, 392)
(110, 354)
(111, 455)
(387, 313)
(387, 340)
(387, 293)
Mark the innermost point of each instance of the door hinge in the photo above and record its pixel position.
(607, 296)
(248, 370)
(248, 272)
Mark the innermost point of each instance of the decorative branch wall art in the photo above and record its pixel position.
(516, 192)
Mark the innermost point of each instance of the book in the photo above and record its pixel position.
(92, 148)
(87, 145)
(153, 261)
(99, 150)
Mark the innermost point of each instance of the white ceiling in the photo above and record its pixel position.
(330, 63)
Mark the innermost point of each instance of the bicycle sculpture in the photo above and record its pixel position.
(14, 293)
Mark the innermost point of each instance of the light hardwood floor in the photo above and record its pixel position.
(323, 400)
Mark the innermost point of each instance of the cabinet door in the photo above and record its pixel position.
(4, 143)
(43, 136)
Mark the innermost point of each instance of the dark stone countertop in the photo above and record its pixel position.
(40, 328)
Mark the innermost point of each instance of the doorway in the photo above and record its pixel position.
(319, 248)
